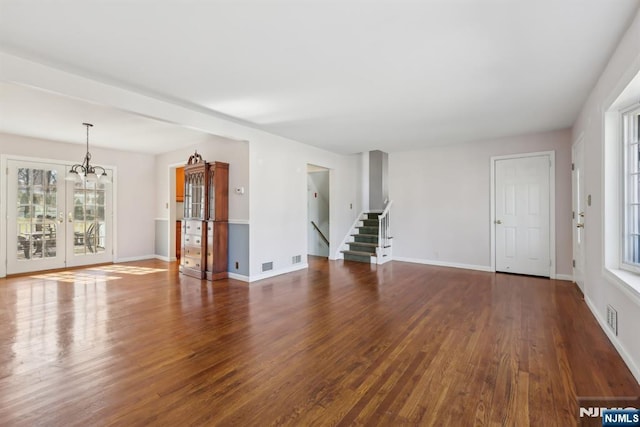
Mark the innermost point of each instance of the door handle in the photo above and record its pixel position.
(581, 214)
(497, 221)
(579, 225)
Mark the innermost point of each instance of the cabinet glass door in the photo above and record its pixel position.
(212, 195)
(194, 195)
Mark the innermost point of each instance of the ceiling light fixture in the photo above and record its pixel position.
(86, 171)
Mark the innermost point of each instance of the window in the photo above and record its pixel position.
(631, 141)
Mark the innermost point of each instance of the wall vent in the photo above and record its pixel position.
(612, 319)
(267, 266)
(296, 259)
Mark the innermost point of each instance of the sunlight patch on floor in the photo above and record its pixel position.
(96, 274)
(128, 269)
(75, 277)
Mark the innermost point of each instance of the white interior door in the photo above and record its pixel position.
(35, 216)
(53, 223)
(522, 216)
(578, 202)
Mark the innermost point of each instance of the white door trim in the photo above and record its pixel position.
(3, 215)
(173, 215)
(552, 206)
(577, 255)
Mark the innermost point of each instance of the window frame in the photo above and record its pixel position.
(630, 162)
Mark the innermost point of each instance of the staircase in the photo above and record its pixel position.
(365, 240)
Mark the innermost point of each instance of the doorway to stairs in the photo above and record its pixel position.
(318, 227)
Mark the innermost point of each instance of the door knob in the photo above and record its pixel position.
(497, 221)
(579, 225)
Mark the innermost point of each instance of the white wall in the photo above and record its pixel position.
(236, 153)
(600, 290)
(135, 196)
(278, 206)
(441, 200)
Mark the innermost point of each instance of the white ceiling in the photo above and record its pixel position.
(39, 114)
(349, 75)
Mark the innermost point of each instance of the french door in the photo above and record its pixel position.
(54, 223)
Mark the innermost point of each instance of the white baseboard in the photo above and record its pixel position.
(273, 273)
(444, 264)
(135, 258)
(628, 360)
(240, 277)
(568, 277)
(165, 258)
(383, 260)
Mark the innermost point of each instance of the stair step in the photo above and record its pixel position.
(362, 247)
(357, 253)
(368, 230)
(373, 215)
(370, 222)
(365, 238)
(357, 258)
(373, 245)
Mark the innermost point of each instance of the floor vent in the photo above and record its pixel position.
(296, 259)
(612, 319)
(267, 266)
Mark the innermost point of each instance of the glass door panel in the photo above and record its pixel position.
(35, 217)
(90, 223)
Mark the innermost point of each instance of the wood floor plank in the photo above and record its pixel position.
(338, 344)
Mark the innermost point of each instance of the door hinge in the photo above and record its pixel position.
(573, 215)
(7, 170)
(573, 166)
(573, 262)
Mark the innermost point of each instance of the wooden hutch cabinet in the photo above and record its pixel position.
(205, 223)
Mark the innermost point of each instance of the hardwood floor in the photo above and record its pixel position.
(337, 344)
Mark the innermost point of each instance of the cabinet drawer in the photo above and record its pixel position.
(193, 227)
(193, 262)
(192, 240)
(193, 251)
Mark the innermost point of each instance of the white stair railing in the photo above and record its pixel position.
(383, 251)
